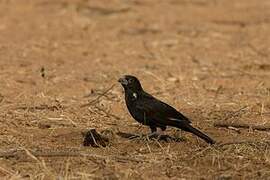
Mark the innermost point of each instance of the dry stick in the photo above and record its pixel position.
(242, 125)
(259, 52)
(98, 97)
(63, 153)
(7, 171)
(18, 152)
(235, 129)
(244, 142)
(41, 107)
(107, 113)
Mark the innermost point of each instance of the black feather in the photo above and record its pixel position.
(152, 112)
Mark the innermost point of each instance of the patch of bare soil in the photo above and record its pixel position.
(59, 65)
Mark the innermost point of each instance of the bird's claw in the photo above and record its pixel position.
(140, 137)
(151, 136)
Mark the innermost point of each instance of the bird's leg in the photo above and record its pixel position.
(157, 134)
(147, 136)
(153, 133)
(160, 134)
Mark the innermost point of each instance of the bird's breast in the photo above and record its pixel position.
(136, 113)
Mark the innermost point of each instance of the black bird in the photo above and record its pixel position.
(152, 112)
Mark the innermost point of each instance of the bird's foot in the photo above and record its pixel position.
(161, 136)
(146, 137)
(151, 136)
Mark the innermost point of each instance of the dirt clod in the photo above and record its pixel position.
(94, 139)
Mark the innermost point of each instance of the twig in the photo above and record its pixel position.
(231, 23)
(107, 113)
(98, 97)
(40, 108)
(242, 125)
(91, 10)
(7, 171)
(63, 153)
(244, 142)
(259, 52)
(235, 129)
(20, 152)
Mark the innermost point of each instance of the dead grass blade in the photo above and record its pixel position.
(98, 97)
(229, 125)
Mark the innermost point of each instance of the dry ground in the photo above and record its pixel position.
(208, 58)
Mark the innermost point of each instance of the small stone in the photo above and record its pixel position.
(173, 79)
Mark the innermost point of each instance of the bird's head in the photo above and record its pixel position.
(131, 83)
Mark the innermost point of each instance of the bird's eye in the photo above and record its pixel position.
(130, 80)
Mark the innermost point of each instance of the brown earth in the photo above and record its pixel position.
(208, 58)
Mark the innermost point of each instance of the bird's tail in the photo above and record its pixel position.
(187, 127)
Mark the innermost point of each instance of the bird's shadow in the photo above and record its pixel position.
(165, 138)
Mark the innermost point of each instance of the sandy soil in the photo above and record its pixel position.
(208, 58)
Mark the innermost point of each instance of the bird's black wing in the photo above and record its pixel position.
(158, 111)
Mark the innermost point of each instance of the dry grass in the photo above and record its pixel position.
(60, 61)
